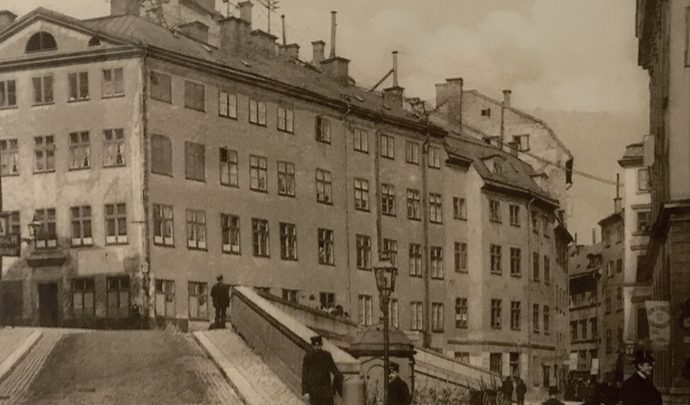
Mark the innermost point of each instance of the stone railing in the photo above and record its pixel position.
(433, 366)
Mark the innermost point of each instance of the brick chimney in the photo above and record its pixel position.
(262, 42)
(336, 67)
(449, 98)
(318, 52)
(6, 18)
(246, 11)
(290, 50)
(196, 30)
(125, 7)
(506, 97)
(394, 95)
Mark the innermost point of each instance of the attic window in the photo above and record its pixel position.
(41, 41)
(95, 41)
(486, 112)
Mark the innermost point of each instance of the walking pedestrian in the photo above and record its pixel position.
(220, 294)
(520, 391)
(398, 392)
(317, 367)
(553, 392)
(639, 388)
(507, 390)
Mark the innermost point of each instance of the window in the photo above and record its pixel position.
(40, 41)
(435, 208)
(522, 142)
(229, 168)
(606, 236)
(461, 313)
(413, 204)
(387, 146)
(198, 300)
(486, 112)
(195, 161)
(515, 314)
(9, 157)
(514, 358)
(165, 298)
(593, 326)
(436, 317)
(535, 318)
(388, 199)
(496, 253)
(227, 104)
(324, 187)
(44, 154)
(289, 295)
(643, 179)
(462, 357)
(460, 257)
(514, 215)
(325, 237)
(642, 324)
(113, 83)
(363, 246)
(82, 297)
(286, 119)
(161, 87)
(390, 250)
(494, 211)
(14, 225)
(194, 96)
(113, 147)
(79, 150)
(416, 316)
(47, 233)
(81, 226)
(415, 259)
(260, 240)
(115, 223)
(78, 86)
(288, 241)
(619, 266)
(8, 94)
(43, 89)
(360, 140)
(393, 313)
(643, 221)
(327, 299)
(547, 226)
(230, 233)
(496, 314)
(434, 157)
(496, 360)
(535, 222)
(365, 310)
(573, 331)
(161, 155)
(459, 208)
(163, 225)
(286, 179)
(257, 112)
(436, 262)
(196, 229)
(619, 298)
(323, 129)
(609, 268)
(583, 329)
(258, 176)
(515, 262)
(535, 266)
(547, 270)
(546, 317)
(117, 289)
(609, 338)
(362, 194)
(412, 152)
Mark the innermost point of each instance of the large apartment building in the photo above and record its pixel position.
(156, 160)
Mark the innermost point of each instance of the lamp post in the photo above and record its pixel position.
(385, 272)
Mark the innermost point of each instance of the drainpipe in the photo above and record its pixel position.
(147, 301)
(425, 220)
(347, 216)
(530, 321)
(377, 192)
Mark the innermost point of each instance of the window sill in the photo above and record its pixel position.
(327, 264)
(257, 124)
(229, 117)
(162, 100)
(495, 221)
(324, 202)
(198, 319)
(328, 142)
(460, 218)
(496, 273)
(388, 215)
(414, 219)
(516, 329)
(388, 157)
(516, 275)
(416, 275)
(437, 331)
(435, 167)
(436, 222)
(117, 244)
(412, 163)
(79, 100)
(366, 152)
(363, 269)
(114, 166)
(256, 190)
(83, 246)
(285, 131)
(286, 195)
(164, 245)
(362, 209)
(229, 252)
(10, 175)
(44, 171)
(9, 107)
(289, 259)
(162, 174)
(109, 96)
(643, 233)
(462, 271)
(77, 169)
(201, 110)
(195, 180)
(437, 278)
(43, 104)
(230, 185)
(262, 256)
(516, 225)
(197, 249)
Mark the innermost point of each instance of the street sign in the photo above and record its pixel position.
(659, 319)
(10, 245)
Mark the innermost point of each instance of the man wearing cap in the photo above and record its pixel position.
(220, 294)
(553, 391)
(398, 393)
(317, 367)
(639, 388)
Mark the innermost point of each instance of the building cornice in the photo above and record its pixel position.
(482, 342)
(97, 55)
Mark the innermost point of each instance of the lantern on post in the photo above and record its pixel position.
(384, 273)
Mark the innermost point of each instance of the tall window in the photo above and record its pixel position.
(78, 86)
(195, 161)
(521, 142)
(198, 300)
(390, 250)
(535, 222)
(286, 179)
(460, 257)
(161, 87)
(163, 225)
(194, 96)
(546, 222)
(117, 289)
(365, 310)
(9, 157)
(434, 157)
(535, 266)
(362, 194)
(43, 89)
(412, 152)
(515, 314)
(547, 270)
(609, 268)
(535, 318)
(196, 229)
(324, 187)
(459, 208)
(388, 199)
(496, 320)
(227, 104)
(229, 168)
(257, 112)
(14, 225)
(496, 253)
(494, 211)
(514, 215)
(260, 237)
(436, 317)
(113, 83)
(79, 150)
(165, 298)
(413, 204)
(326, 299)
(547, 323)
(47, 233)
(40, 41)
(436, 262)
(387, 146)
(360, 139)
(44, 154)
(435, 208)
(230, 232)
(325, 237)
(323, 129)
(643, 221)
(515, 262)
(258, 176)
(82, 297)
(115, 223)
(81, 226)
(161, 155)
(415, 259)
(643, 179)
(495, 359)
(461, 313)
(416, 316)
(113, 147)
(363, 247)
(286, 119)
(8, 94)
(619, 298)
(573, 331)
(288, 241)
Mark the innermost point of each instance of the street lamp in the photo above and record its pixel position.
(384, 273)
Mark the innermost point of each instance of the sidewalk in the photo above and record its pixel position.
(14, 344)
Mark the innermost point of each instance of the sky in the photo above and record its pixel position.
(574, 56)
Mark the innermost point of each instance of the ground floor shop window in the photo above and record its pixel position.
(165, 298)
(198, 302)
(82, 297)
(118, 296)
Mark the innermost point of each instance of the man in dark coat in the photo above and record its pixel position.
(507, 390)
(220, 294)
(520, 391)
(553, 391)
(398, 393)
(639, 388)
(317, 367)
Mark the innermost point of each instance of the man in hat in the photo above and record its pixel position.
(398, 393)
(639, 388)
(520, 391)
(317, 367)
(220, 294)
(553, 391)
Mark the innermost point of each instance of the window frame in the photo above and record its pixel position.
(258, 173)
(46, 236)
(47, 150)
(436, 262)
(8, 94)
(199, 294)
(286, 120)
(388, 200)
(230, 233)
(360, 140)
(461, 257)
(286, 178)
(117, 86)
(323, 127)
(228, 167)
(496, 314)
(412, 152)
(78, 87)
(81, 221)
(79, 150)
(459, 208)
(324, 186)
(415, 259)
(257, 112)
(43, 94)
(161, 155)
(288, 241)
(325, 246)
(114, 148)
(261, 242)
(83, 287)
(117, 218)
(496, 258)
(194, 96)
(361, 194)
(494, 211)
(461, 313)
(160, 91)
(197, 236)
(435, 208)
(9, 157)
(363, 252)
(414, 200)
(163, 225)
(230, 107)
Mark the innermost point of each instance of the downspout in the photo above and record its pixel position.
(347, 216)
(530, 269)
(147, 301)
(377, 192)
(425, 221)
(503, 111)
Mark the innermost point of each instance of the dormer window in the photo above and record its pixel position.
(95, 41)
(41, 41)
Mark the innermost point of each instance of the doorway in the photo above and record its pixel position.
(48, 309)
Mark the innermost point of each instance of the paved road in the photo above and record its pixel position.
(116, 367)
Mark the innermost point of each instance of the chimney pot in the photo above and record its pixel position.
(395, 68)
(506, 97)
(318, 52)
(6, 18)
(246, 11)
(333, 25)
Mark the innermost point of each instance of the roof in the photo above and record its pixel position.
(616, 216)
(578, 263)
(633, 155)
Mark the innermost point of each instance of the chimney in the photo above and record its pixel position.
(333, 25)
(394, 95)
(506, 98)
(124, 7)
(234, 32)
(195, 30)
(263, 42)
(318, 52)
(618, 201)
(449, 98)
(594, 236)
(6, 18)
(246, 11)
(336, 67)
(291, 50)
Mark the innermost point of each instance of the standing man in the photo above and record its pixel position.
(553, 391)
(520, 391)
(317, 367)
(507, 390)
(220, 294)
(639, 388)
(398, 393)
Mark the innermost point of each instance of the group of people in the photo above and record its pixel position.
(513, 385)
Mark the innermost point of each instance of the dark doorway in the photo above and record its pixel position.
(48, 304)
(11, 293)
